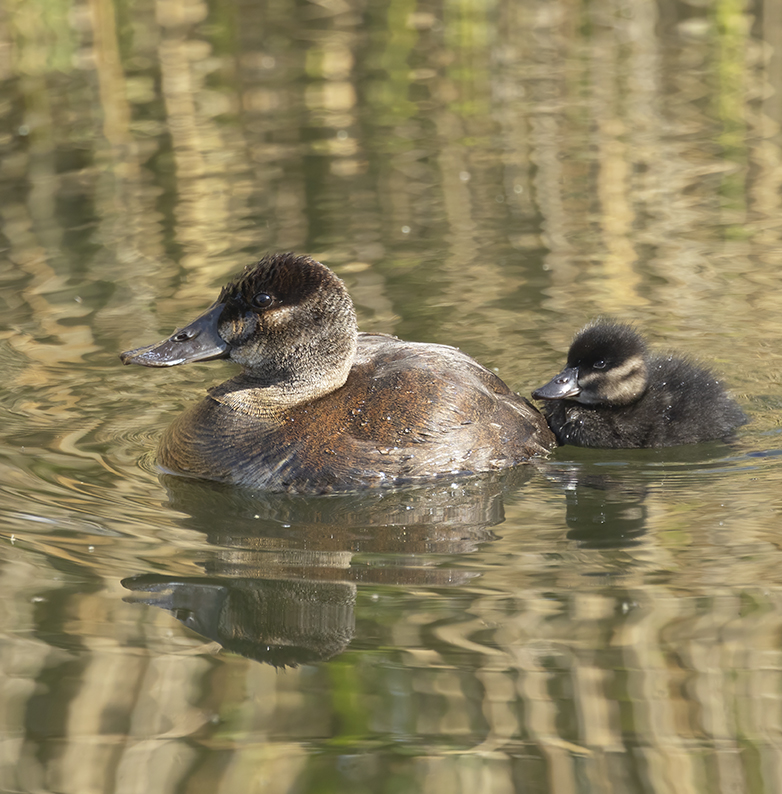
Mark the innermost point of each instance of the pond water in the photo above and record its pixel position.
(490, 175)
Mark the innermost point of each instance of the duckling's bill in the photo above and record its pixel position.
(198, 341)
(564, 386)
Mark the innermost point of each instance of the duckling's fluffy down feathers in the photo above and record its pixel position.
(620, 396)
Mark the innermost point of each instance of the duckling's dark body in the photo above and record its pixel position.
(614, 394)
(401, 412)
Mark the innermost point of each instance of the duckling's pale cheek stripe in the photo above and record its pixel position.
(627, 381)
(622, 384)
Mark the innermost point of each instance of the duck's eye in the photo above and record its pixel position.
(262, 300)
(599, 364)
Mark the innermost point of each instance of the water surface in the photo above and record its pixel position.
(490, 176)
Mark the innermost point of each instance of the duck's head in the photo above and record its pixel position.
(288, 321)
(607, 364)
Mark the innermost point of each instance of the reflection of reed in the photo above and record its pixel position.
(591, 162)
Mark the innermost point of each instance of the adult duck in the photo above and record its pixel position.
(320, 407)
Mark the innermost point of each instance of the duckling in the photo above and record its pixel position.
(320, 407)
(615, 394)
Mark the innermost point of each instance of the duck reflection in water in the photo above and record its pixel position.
(280, 585)
(602, 510)
(321, 408)
(606, 493)
(280, 622)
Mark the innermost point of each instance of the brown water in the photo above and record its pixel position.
(488, 175)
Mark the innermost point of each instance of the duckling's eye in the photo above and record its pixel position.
(262, 300)
(599, 364)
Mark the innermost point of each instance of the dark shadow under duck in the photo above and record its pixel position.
(615, 394)
(319, 407)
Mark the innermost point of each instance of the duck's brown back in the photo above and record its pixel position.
(408, 411)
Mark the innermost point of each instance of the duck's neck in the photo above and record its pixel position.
(268, 395)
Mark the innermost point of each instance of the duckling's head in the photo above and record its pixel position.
(607, 364)
(287, 320)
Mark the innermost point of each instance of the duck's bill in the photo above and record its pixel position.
(563, 387)
(198, 341)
